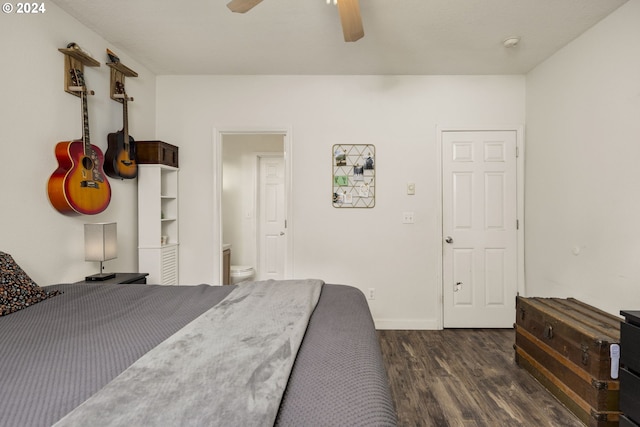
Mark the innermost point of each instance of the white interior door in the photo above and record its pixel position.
(271, 226)
(480, 272)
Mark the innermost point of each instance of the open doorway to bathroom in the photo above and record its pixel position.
(253, 205)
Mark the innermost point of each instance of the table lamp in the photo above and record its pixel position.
(100, 244)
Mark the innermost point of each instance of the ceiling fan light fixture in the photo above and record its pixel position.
(349, 11)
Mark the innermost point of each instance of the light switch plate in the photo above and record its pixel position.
(411, 188)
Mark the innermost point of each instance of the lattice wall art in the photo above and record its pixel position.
(354, 176)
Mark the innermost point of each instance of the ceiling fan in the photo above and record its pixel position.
(349, 16)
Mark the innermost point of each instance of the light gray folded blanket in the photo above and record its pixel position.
(228, 367)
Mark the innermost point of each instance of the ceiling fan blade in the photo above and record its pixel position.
(351, 20)
(242, 6)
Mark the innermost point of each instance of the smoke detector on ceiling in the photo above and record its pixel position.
(511, 42)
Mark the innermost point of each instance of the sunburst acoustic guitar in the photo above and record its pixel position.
(120, 157)
(79, 185)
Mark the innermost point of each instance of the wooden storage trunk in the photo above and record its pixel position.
(564, 344)
(156, 152)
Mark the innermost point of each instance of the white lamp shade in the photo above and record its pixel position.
(100, 241)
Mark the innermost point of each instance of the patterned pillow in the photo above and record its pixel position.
(17, 290)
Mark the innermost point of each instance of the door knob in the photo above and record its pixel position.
(282, 233)
(449, 239)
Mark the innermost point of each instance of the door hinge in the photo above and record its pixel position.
(285, 223)
(517, 151)
(517, 224)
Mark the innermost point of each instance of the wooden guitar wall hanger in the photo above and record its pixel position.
(120, 158)
(75, 58)
(118, 72)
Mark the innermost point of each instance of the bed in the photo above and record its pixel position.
(58, 355)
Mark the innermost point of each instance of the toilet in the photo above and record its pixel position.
(241, 273)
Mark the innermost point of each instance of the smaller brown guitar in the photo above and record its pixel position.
(120, 157)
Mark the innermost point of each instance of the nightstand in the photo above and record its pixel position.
(121, 278)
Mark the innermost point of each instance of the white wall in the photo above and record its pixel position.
(361, 247)
(582, 169)
(35, 114)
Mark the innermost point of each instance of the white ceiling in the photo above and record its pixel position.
(402, 37)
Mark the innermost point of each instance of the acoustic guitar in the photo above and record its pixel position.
(120, 157)
(79, 185)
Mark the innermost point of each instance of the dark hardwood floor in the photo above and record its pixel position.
(465, 377)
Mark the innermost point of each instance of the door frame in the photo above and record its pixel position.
(520, 162)
(218, 134)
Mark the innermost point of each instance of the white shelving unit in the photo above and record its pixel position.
(158, 237)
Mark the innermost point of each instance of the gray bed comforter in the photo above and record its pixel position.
(56, 354)
(235, 378)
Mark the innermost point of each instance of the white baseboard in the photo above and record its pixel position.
(407, 324)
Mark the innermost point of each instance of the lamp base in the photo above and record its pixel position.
(100, 277)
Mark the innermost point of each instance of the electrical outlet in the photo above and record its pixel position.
(372, 293)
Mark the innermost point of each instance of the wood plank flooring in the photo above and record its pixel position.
(465, 377)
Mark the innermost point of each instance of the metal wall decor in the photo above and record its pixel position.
(354, 175)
